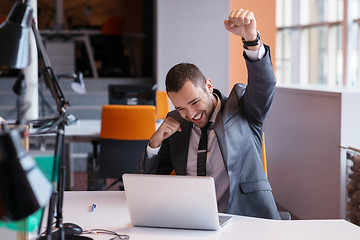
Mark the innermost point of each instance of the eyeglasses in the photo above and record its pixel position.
(104, 231)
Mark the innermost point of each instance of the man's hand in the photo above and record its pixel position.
(167, 128)
(242, 23)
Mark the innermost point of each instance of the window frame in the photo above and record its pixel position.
(293, 64)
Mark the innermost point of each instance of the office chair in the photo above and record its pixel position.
(284, 215)
(264, 154)
(125, 131)
(162, 104)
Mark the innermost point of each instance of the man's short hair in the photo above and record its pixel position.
(182, 72)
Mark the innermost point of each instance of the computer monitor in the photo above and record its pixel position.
(144, 94)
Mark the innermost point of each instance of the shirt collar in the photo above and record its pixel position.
(216, 110)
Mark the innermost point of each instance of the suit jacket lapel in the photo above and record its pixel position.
(219, 127)
(180, 152)
(220, 135)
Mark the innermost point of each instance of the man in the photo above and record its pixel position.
(233, 124)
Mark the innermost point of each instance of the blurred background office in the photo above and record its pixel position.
(119, 44)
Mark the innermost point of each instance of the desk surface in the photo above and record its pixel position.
(81, 131)
(111, 213)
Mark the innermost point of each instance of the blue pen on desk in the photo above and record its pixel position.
(92, 207)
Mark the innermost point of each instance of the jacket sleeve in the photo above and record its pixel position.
(260, 90)
(158, 164)
(146, 164)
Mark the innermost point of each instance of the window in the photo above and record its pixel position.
(318, 42)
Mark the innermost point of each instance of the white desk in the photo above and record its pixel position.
(111, 213)
(81, 131)
(84, 131)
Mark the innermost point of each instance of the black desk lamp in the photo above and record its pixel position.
(14, 37)
(23, 187)
(14, 49)
(78, 84)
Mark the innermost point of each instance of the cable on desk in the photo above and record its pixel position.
(104, 231)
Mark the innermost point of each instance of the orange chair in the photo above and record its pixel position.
(125, 131)
(284, 215)
(264, 154)
(162, 104)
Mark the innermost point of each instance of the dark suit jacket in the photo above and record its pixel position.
(238, 128)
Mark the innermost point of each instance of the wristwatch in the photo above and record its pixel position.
(251, 43)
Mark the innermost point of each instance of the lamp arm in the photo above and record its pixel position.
(50, 77)
(59, 157)
(52, 83)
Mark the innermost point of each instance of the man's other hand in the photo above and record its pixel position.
(167, 128)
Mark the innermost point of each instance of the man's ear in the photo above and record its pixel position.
(208, 85)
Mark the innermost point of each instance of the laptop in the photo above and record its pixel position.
(166, 201)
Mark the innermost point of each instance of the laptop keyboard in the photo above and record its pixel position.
(223, 220)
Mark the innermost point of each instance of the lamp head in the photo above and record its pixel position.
(14, 37)
(78, 84)
(23, 188)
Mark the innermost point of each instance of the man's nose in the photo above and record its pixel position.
(190, 113)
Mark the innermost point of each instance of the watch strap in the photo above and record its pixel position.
(251, 43)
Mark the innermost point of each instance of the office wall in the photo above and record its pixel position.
(193, 31)
(305, 165)
(265, 12)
